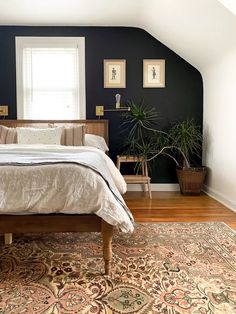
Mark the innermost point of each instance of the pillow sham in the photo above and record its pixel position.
(7, 135)
(73, 135)
(96, 141)
(39, 136)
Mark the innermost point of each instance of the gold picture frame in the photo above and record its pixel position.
(153, 73)
(114, 73)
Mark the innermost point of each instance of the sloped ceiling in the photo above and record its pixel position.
(229, 4)
(200, 31)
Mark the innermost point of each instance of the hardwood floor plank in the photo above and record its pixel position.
(174, 207)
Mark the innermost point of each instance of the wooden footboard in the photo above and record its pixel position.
(10, 224)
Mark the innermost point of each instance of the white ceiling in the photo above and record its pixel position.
(198, 30)
(70, 12)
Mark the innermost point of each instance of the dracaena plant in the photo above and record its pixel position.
(186, 137)
(181, 142)
(141, 123)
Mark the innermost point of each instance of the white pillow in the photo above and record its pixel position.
(96, 141)
(39, 136)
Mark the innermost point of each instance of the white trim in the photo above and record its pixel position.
(82, 87)
(19, 79)
(220, 197)
(155, 187)
(22, 42)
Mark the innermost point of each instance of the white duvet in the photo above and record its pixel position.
(62, 187)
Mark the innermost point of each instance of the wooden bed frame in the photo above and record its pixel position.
(10, 224)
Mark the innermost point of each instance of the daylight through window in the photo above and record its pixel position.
(50, 78)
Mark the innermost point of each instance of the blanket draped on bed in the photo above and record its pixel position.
(65, 180)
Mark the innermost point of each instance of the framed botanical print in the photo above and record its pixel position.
(114, 73)
(153, 73)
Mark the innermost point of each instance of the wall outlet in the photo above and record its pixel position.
(4, 110)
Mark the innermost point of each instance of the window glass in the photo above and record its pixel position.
(50, 78)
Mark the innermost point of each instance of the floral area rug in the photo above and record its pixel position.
(166, 268)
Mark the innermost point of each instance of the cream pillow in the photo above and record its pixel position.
(96, 141)
(39, 136)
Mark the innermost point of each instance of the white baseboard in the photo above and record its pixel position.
(220, 197)
(155, 187)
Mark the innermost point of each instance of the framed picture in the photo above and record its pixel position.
(114, 73)
(153, 73)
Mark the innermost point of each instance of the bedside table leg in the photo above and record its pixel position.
(145, 188)
(149, 190)
(118, 163)
(144, 174)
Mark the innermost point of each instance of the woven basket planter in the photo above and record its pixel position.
(191, 180)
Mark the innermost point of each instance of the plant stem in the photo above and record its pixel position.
(186, 162)
(150, 129)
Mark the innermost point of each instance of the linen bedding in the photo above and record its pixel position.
(62, 179)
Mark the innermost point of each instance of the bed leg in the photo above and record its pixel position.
(107, 231)
(8, 238)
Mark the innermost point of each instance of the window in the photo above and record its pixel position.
(50, 77)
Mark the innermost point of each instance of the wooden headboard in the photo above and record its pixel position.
(97, 127)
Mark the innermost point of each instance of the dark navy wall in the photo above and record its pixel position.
(182, 97)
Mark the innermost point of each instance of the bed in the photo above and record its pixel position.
(65, 219)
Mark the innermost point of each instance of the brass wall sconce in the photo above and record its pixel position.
(4, 110)
(100, 109)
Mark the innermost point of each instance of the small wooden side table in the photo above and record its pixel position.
(136, 178)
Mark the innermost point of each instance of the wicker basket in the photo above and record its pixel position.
(191, 180)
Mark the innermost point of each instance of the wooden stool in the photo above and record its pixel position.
(136, 178)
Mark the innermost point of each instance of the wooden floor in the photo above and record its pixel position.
(174, 207)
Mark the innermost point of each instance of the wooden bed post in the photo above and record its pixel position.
(7, 238)
(107, 231)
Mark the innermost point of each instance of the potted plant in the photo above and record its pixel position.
(182, 142)
(184, 147)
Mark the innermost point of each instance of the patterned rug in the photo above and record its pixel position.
(166, 268)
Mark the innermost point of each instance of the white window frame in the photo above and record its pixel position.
(50, 42)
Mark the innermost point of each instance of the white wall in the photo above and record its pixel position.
(203, 33)
(220, 128)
